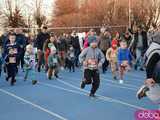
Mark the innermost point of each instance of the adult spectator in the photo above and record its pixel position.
(21, 41)
(104, 45)
(76, 45)
(139, 47)
(41, 38)
(62, 50)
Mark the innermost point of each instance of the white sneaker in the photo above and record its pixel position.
(142, 92)
(62, 68)
(121, 81)
(47, 74)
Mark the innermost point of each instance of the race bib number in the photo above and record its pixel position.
(92, 63)
(12, 60)
(13, 51)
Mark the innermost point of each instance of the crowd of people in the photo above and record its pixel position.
(53, 53)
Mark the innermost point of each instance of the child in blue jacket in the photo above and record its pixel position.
(124, 59)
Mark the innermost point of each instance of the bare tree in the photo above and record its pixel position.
(38, 16)
(146, 12)
(12, 15)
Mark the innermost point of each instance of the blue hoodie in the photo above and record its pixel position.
(124, 55)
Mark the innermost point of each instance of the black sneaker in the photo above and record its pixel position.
(25, 78)
(34, 82)
(142, 92)
(135, 67)
(141, 69)
(13, 82)
(7, 79)
(39, 69)
(56, 76)
(91, 95)
(49, 78)
(114, 78)
(83, 85)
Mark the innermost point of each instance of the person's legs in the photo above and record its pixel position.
(113, 69)
(50, 72)
(63, 57)
(73, 67)
(5, 68)
(105, 64)
(40, 55)
(26, 74)
(22, 59)
(46, 61)
(56, 71)
(77, 52)
(13, 73)
(70, 65)
(141, 63)
(96, 82)
(121, 70)
(87, 78)
(9, 71)
(138, 58)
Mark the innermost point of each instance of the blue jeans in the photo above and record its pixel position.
(77, 53)
(29, 72)
(139, 58)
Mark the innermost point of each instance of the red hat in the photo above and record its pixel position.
(114, 41)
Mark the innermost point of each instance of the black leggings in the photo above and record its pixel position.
(92, 77)
(11, 71)
(156, 73)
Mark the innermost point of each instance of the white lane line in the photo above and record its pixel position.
(129, 74)
(124, 84)
(104, 98)
(116, 84)
(123, 87)
(61, 88)
(104, 79)
(34, 105)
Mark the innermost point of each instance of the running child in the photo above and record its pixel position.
(111, 56)
(29, 59)
(71, 59)
(12, 52)
(53, 64)
(124, 60)
(92, 59)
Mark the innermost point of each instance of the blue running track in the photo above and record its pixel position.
(62, 99)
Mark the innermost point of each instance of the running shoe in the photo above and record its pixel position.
(121, 81)
(142, 92)
(92, 95)
(83, 84)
